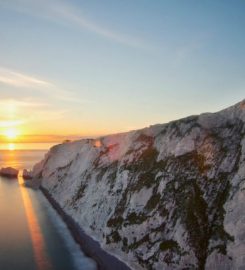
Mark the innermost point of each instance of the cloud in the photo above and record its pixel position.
(70, 15)
(31, 109)
(12, 107)
(26, 81)
(22, 103)
(11, 123)
(17, 112)
(17, 79)
(27, 112)
(62, 12)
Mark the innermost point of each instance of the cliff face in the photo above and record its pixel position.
(170, 196)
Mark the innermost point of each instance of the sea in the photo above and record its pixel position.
(22, 155)
(32, 234)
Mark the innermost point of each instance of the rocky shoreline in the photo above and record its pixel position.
(89, 246)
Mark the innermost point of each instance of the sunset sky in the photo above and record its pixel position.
(87, 68)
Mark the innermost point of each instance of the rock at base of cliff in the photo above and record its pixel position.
(9, 172)
(27, 175)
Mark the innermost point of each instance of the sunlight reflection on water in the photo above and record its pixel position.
(22, 156)
(40, 255)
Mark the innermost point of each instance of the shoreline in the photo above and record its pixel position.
(89, 246)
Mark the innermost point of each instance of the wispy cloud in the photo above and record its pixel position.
(17, 79)
(11, 107)
(70, 15)
(18, 113)
(64, 12)
(26, 81)
(11, 123)
(32, 110)
(27, 102)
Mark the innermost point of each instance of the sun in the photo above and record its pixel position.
(11, 146)
(11, 133)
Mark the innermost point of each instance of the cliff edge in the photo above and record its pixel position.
(170, 196)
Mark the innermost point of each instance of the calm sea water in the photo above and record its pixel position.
(22, 156)
(32, 235)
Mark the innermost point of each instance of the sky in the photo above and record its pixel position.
(88, 68)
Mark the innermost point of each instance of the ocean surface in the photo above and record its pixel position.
(22, 156)
(32, 235)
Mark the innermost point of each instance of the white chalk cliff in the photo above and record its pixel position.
(171, 196)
